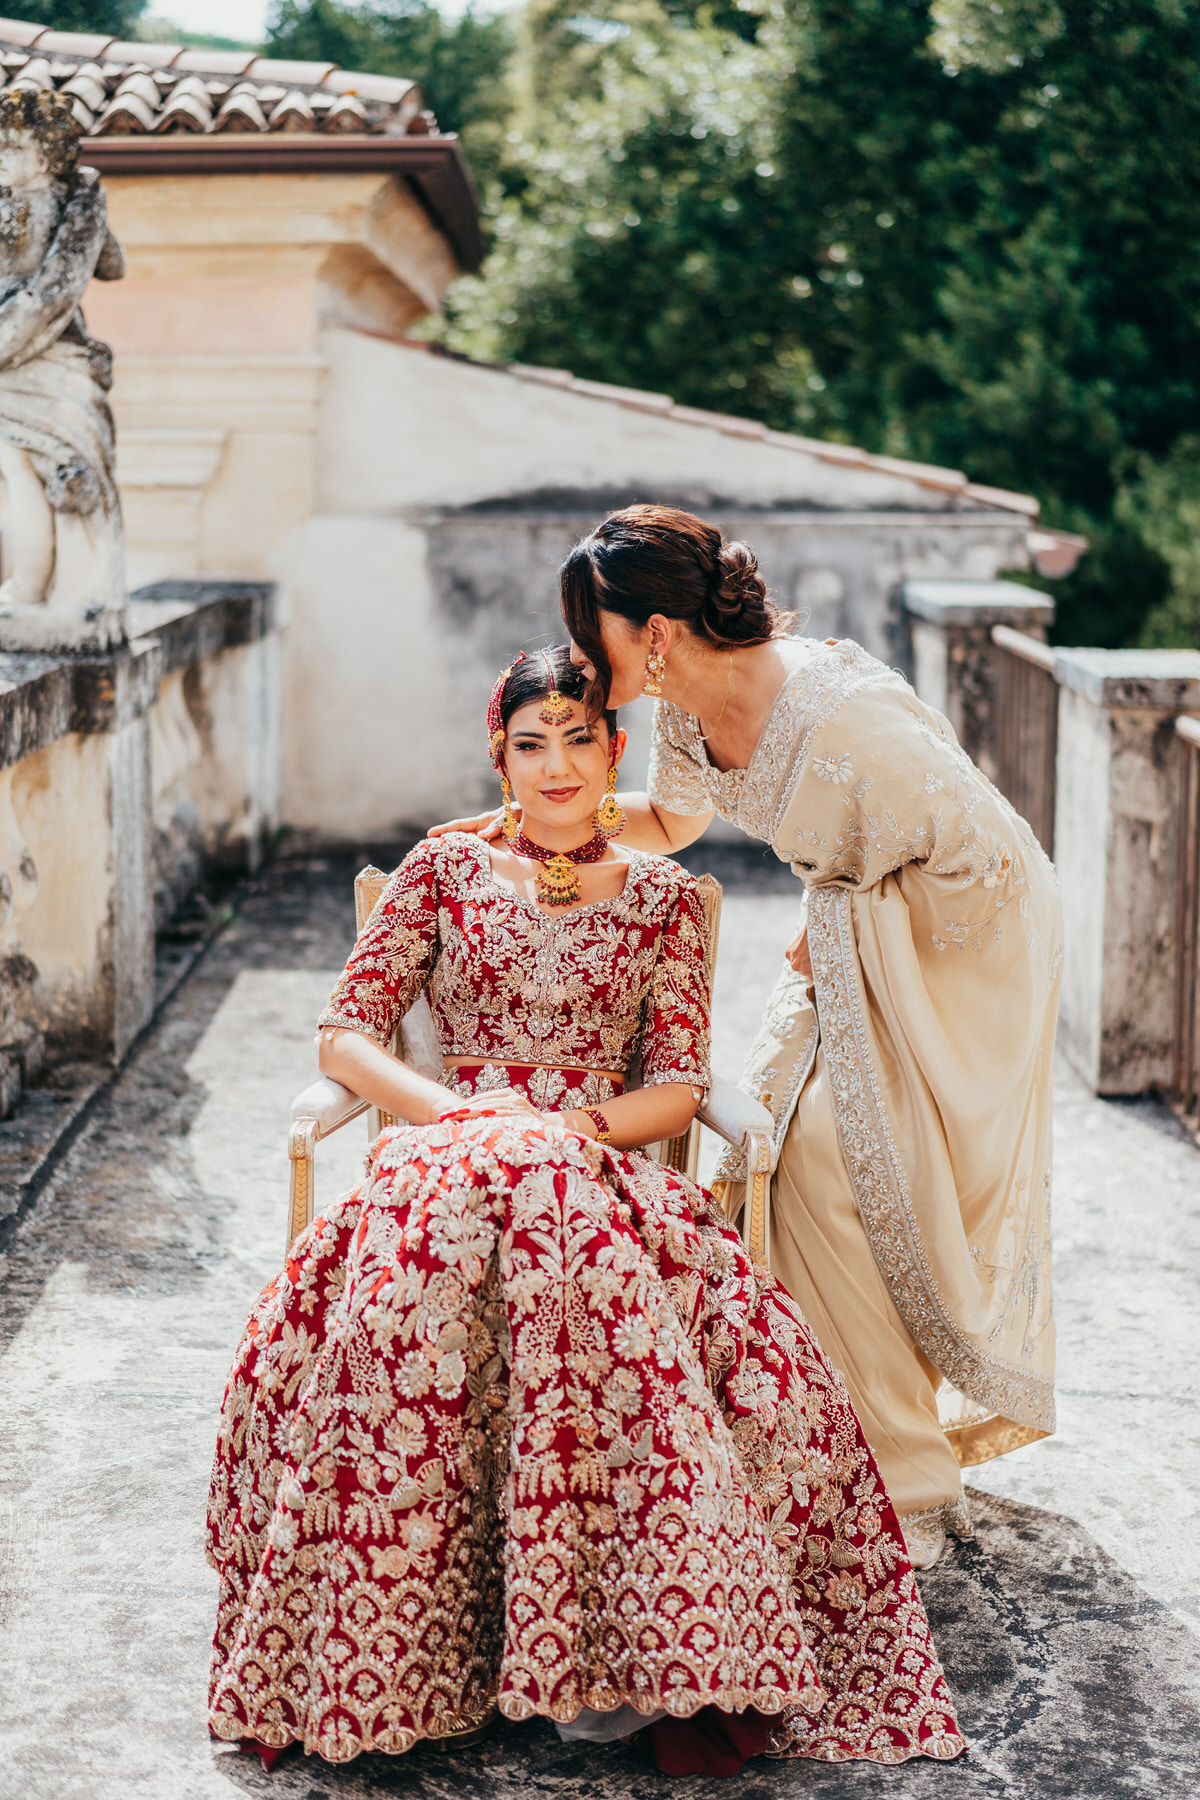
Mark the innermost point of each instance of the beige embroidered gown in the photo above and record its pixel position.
(911, 1082)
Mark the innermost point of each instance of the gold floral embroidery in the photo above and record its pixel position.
(591, 989)
(756, 798)
(521, 1424)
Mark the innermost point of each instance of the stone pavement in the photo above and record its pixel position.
(1070, 1627)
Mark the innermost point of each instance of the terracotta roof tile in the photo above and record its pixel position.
(120, 89)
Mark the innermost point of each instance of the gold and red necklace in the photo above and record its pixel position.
(557, 883)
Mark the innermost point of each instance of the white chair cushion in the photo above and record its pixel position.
(734, 1115)
(329, 1103)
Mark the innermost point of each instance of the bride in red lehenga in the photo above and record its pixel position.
(520, 1425)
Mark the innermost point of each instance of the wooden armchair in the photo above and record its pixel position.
(326, 1106)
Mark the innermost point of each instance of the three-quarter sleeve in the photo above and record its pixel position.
(676, 780)
(394, 955)
(675, 1038)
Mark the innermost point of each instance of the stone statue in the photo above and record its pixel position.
(62, 585)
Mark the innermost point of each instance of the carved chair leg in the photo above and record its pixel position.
(302, 1144)
(756, 1214)
(682, 1153)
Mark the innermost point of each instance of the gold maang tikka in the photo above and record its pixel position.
(555, 708)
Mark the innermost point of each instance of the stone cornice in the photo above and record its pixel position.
(435, 166)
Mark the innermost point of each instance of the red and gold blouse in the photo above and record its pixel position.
(507, 984)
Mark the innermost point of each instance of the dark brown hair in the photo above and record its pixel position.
(657, 559)
(537, 674)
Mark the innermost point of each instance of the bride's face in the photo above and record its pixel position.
(559, 772)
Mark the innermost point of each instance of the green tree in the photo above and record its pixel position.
(967, 232)
(119, 17)
(459, 62)
(640, 212)
(1160, 501)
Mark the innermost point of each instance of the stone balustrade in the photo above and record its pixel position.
(956, 666)
(1116, 806)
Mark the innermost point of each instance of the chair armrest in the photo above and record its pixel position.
(329, 1104)
(734, 1115)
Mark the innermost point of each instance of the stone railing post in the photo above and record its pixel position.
(956, 666)
(1116, 851)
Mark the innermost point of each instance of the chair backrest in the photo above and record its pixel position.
(416, 1039)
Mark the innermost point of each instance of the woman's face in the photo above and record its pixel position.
(559, 772)
(628, 648)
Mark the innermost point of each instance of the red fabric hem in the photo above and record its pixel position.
(711, 1742)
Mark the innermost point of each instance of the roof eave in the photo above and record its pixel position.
(435, 166)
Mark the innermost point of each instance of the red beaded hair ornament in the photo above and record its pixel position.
(495, 727)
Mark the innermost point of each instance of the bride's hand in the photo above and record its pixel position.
(500, 1100)
(797, 954)
(487, 825)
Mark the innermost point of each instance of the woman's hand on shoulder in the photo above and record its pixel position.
(485, 825)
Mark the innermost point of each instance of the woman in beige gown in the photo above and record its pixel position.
(906, 1051)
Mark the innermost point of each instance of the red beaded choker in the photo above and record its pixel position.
(557, 882)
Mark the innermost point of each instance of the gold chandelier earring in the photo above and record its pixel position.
(509, 824)
(610, 814)
(655, 669)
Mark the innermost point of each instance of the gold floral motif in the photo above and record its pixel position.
(521, 1424)
(591, 989)
(683, 780)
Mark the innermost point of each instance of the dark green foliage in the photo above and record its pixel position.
(119, 17)
(458, 62)
(966, 232)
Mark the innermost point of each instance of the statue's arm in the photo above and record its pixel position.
(39, 310)
(110, 265)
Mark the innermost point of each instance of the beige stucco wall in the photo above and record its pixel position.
(446, 494)
(273, 424)
(215, 331)
(215, 766)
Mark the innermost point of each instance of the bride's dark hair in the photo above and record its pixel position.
(538, 674)
(657, 559)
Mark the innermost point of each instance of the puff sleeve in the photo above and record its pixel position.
(675, 780)
(394, 955)
(675, 1037)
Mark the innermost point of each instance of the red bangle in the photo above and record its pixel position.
(603, 1134)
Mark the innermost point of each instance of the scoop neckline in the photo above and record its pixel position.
(726, 774)
(573, 912)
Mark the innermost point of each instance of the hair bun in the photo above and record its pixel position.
(737, 610)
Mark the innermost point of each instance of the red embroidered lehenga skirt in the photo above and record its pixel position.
(521, 1425)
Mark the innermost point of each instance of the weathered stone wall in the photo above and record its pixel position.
(1116, 809)
(214, 730)
(121, 778)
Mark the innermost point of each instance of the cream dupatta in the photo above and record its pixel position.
(936, 941)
